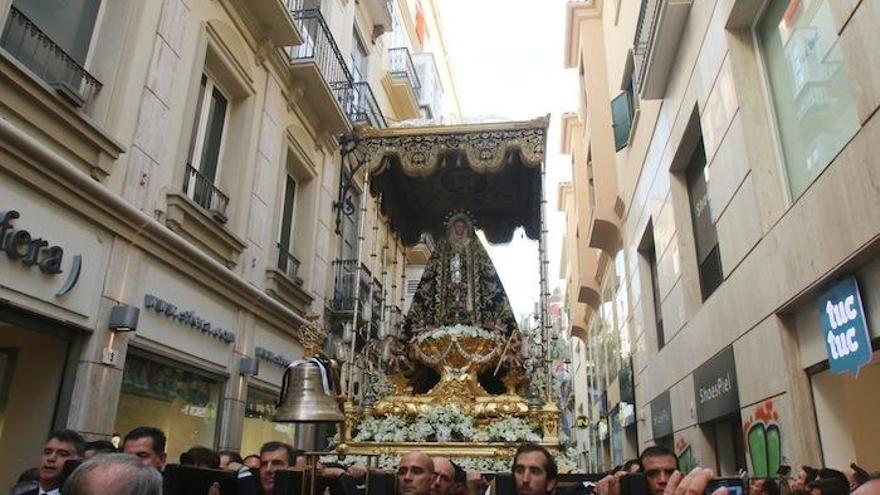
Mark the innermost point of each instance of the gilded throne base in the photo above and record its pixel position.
(458, 359)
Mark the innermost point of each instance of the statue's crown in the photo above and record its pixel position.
(460, 214)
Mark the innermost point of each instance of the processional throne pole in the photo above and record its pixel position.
(545, 292)
(349, 385)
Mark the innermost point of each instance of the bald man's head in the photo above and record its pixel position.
(870, 487)
(444, 476)
(415, 474)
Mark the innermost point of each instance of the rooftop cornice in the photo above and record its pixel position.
(575, 13)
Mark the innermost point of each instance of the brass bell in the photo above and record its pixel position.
(307, 394)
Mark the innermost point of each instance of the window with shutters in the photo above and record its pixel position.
(206, 147)
(622, 118)
(287, 263)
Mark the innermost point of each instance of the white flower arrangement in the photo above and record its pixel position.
(459, 330)
(389, 462)
(445, 424)
(511, 429)
(380, 386)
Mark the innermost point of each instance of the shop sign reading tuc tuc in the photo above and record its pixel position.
(845, 327)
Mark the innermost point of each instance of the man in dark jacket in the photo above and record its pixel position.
(62, 446)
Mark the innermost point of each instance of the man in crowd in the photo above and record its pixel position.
(62, 446)
(98, 447)
(199, 456)
(230, 456)
(534, 470)
(274, 456)
(252, 461)
(148, 444)
(415, 474)
(444, 476)
(658, 464)
(114, 474)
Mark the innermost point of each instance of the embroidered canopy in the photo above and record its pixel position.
(491, 170)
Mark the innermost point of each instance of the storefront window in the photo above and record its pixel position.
(181, 403)
(846, 413)
(815, 111)
(258, 426)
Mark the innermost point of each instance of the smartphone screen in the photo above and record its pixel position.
(734, 486)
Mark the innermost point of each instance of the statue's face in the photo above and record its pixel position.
(459, 228)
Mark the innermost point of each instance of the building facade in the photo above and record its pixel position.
(169, 185)
(722, 231)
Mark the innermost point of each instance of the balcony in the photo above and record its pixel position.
(271, 20)
(198, 213)
(283, 282)
(658, 33)
(361, 106)
(421, 252)
(48, 61)
(430, 91)
(342, 303)
(402, 84)
(318, 70)
(205, 194)
(380, 11)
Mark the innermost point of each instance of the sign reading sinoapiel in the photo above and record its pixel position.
(847, 340)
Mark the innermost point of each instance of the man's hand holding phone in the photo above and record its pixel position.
(700, 481)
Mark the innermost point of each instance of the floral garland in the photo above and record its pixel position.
(459, 330)
(510, 429)
(445, 424)
(440, 424)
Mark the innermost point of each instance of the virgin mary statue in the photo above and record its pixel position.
(460, 286)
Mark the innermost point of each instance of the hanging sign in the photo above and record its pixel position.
(715, 387)
(847, 340)
(661, 415)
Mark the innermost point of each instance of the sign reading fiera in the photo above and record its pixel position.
(20, 245)
(845, 327)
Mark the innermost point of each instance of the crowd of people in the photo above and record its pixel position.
(70, 466)
(659, 466)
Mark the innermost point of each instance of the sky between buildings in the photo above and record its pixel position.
(508, 60)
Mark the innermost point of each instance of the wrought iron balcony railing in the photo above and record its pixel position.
(287, 262)
(344, 287)
(656, 44)
(642, 43)
(430, 91)
(25, 41)
(205, 194)
(320, 46)
(402, 66)
(361, 107)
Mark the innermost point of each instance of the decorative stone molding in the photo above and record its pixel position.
(290, 292)
(38, 107)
